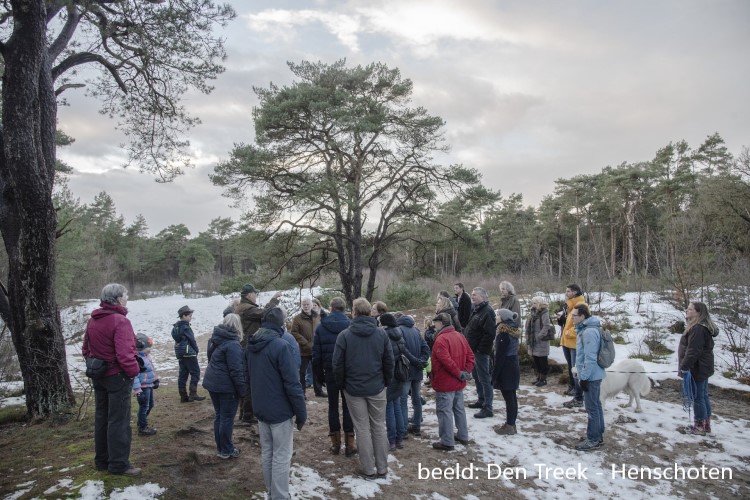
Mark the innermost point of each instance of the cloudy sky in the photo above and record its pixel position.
(530, 91)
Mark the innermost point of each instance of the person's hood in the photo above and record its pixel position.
(274, 320)
(107, 309)
(406, 321)
(394, 333)
(593, 321)
(261, 339)
(335, 322)
(223, 333)
(363, 326)
(181, 322)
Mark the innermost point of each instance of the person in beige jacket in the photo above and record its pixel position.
(303, 329)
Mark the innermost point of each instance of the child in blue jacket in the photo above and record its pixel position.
(144, 385)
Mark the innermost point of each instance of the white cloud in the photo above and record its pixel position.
(281, 23)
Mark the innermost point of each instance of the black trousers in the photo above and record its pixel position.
(112, 433)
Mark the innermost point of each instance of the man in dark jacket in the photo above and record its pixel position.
(109, 337)
(419, 354)
(186, 350)
(480, 333)
(324, 344)
(464, 304)
(277, 395)
(363, 365)
(251, 315)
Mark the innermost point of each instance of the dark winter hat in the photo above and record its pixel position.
(387, 319)
(248, 288)
(275, 317)
(182, 311)
(444, 318)
(142, 341)
(507, 315)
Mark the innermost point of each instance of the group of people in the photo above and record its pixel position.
(258, 365)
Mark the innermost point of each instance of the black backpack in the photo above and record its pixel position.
(401, 367)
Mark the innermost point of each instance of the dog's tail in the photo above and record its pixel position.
(645, 385)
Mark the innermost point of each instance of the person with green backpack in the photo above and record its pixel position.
(590, 373)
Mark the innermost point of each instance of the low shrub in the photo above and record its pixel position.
(401, 296)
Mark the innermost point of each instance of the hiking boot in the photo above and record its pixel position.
(584, 438)
(506, 430)
(483, 413)
(475, 405)
(573, 403)
(570, 392)
(232, 454)
(541, 382)
(438, 445)
(697, 430)
(184, 398)
(391, 446)
(464, 442)
(146, 431)
(194, 394)
(707, 426)
(321, 394)
(382, 475)
(350, 444)
(400, 444)
(367, 476)
(130, 471)
(335, 442)
(588, 445)
(414, 430)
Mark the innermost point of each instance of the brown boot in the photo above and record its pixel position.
(335, 442)
(350, 446)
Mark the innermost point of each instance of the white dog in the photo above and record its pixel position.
(629, 376)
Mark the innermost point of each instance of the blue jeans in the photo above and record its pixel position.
(570, 358)
(145, 403)
(225, 407)
(594, 410)
(112, 432)
(277, 446)
(449, 407)
(701, 404)
(481, 374)
(188, 366)
(415, 386)
(395, 423)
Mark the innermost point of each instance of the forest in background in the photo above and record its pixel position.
(679, 221)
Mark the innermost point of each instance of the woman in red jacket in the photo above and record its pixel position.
(109, 337)
(452, 363)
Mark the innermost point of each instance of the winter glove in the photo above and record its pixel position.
(464, 375)
(299, 423)
(584, 385)
(156, 384)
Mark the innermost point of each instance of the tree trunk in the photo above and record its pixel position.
(28, 220)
